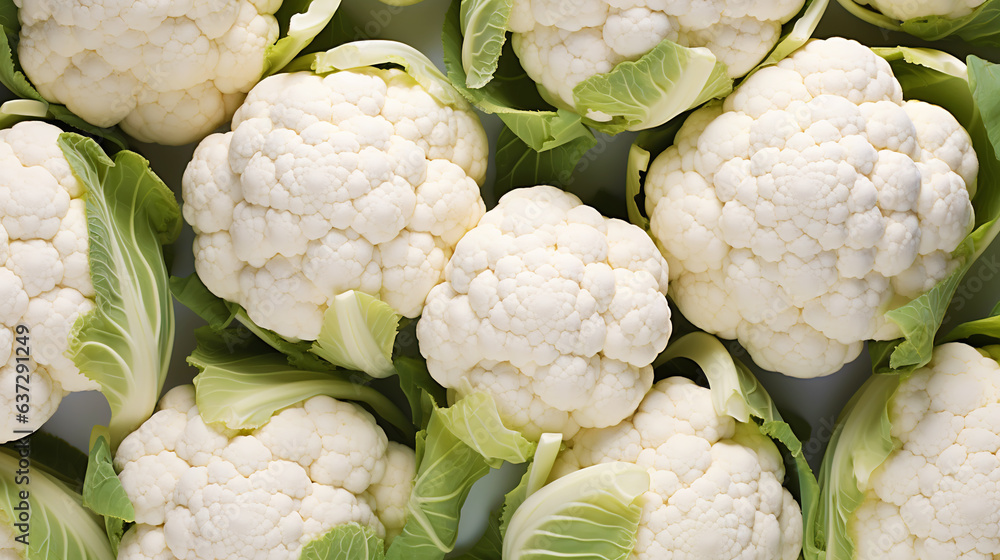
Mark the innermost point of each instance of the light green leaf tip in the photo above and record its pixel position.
(345, 542)
(358, 333)
(484, 23)
(359, 54)
(103, 493)
(16, 110)
(475, 420)
(302, 29)
(646, 93)
(590, 514)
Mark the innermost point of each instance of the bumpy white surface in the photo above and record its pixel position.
(937, 496)
(794, 215)
(168, 72)
(202, 493)
(359, 180)
(909, 9)
(9, 548)
(553, 309)
(560, 43)
(45, 273)
(715, 484)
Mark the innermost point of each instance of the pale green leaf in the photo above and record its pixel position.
(307, 20)
(358, 333)
(59, 526)
(590, 514)
(242, 388)
(124, 343)
(662, 84)
(345, 542)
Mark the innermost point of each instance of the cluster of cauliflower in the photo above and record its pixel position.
(45, 274)
(811, 201)
(167, 72)
(202, 492)
(551, 308)
(936, 495)
(715, 484)
(357, 180)
(561, 43)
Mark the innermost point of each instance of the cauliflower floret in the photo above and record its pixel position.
(715, 485)
(167, 72)
(357, 180)
(911, 9)
(813, 200)
(561, 43)
(44, 272)
(936, 495)
(201, 492)
(554, 310)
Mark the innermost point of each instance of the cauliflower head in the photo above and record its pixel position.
(936, 495)
(45, 274)
(554, 310)
(201, 492)
(167, 72)
(812, 200)
(356, 180)
(715, 484)
(910, 9)
(561, 43)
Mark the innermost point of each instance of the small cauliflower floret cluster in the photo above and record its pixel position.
(813, 200)
(44, 272)
(357, 180)
(937, 495)
(910, 9)
(715, 484)
(551, 308)
(167, 72)
(563, 42)
(201, 492)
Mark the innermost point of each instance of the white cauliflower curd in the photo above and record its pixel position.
(811, 201)
(936, 496)
(44, 273)
(166, 71)
(553, 310)
(561, 43)
(715, 484)
(204, 492)
(355, 180)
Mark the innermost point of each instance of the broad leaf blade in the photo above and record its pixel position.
(590, 514)
(59, 526)
(662, 84)
(243, 388)
(345, 542)
(484, 26)
(124, 344)
(520, 166)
